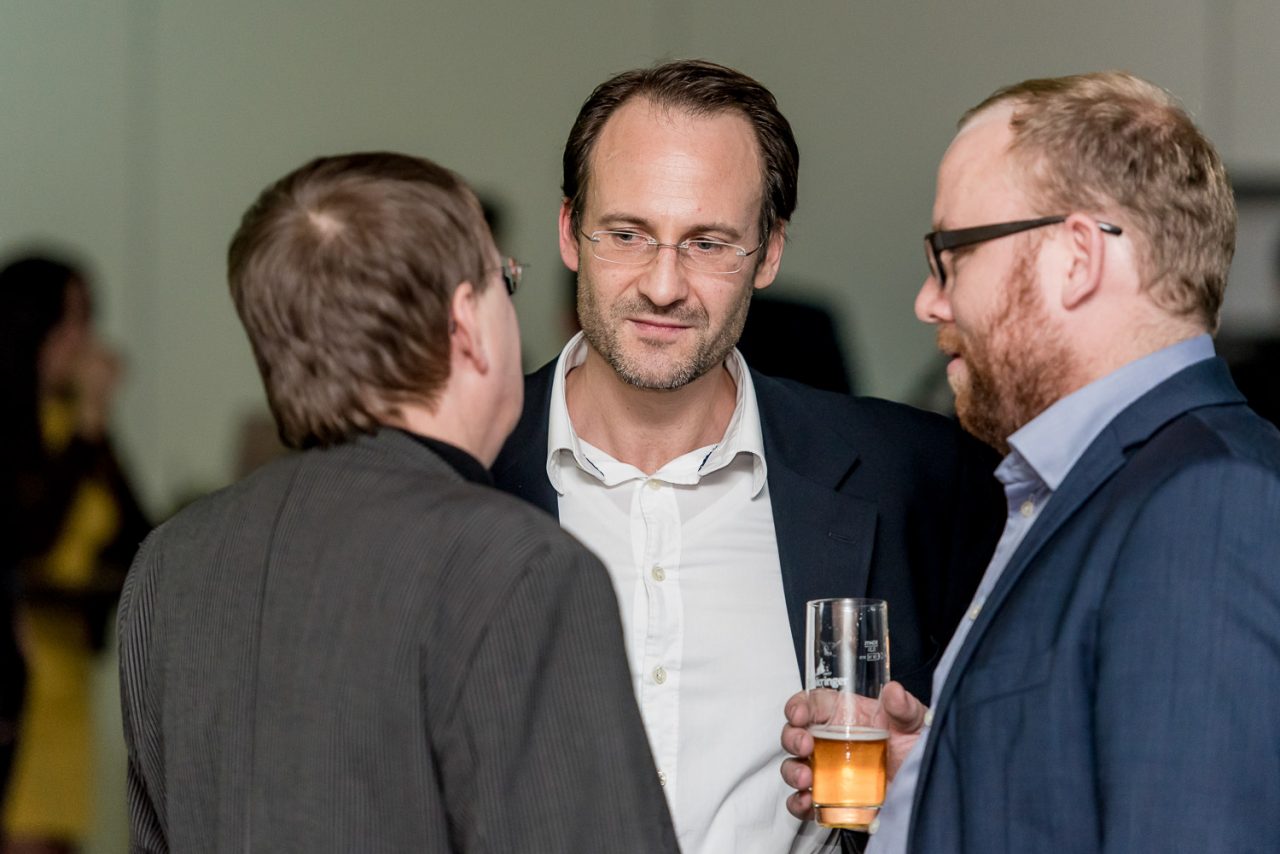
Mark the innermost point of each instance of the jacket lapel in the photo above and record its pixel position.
(825, 538)
(1102, 459)
(1206, 383)
(521, 467)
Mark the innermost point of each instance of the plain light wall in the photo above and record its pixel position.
(138, 131)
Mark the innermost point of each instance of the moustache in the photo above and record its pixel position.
(949, 340)
(683, 314)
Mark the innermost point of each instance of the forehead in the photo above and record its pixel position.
(978, 181)
(652, 161)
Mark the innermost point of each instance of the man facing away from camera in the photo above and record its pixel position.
(1115, 685)
(719, 499)
(362, 646)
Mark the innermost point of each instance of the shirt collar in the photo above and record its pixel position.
(459, 460)
(742, 436)
(1053, 441)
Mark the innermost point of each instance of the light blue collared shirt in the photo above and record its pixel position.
(1041, 455)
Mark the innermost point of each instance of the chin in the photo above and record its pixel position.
(658, 374)
(649, 381)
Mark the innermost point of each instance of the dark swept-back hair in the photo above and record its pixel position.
(701, 88)
(342, 273)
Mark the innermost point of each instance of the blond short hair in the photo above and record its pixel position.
(1114, 143)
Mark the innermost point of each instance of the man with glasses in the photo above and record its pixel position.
(719, 499)
(1115, 685)
(363, 646)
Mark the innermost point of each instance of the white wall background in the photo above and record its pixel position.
(136, 132)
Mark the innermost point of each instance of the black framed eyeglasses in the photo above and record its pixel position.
(512, 272)
(937, 242)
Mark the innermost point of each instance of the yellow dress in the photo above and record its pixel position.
(51, 789)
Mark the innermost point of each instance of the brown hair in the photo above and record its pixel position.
(1111, 143)
(342, 273)
(701, 88)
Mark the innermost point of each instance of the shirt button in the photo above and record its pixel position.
(1028, 507)
(658, 573)
(662, 778)
(975, 611)
(928, 718)
(654, 484)
(659, 674)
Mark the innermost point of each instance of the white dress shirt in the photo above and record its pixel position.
(694, 561)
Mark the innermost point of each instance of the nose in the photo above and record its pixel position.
(932, 303)
(664, 281)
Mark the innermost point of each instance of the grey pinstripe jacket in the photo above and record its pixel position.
(355, 649)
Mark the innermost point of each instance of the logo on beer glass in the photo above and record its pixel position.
(847, 666)
(823, 678)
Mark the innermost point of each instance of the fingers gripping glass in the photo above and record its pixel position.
(937, 242)
(846, 668)
(699, 253)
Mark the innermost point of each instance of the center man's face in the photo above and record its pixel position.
(671, 176)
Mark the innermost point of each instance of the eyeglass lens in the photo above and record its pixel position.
(707, 256)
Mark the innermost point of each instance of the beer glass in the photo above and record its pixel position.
(846, 668)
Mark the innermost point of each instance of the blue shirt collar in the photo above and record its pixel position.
(1053, 441)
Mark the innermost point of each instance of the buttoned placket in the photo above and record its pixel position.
(1025, 498)
(657, 570)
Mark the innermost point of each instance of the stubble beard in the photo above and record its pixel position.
(1017, 366)
(654, 368)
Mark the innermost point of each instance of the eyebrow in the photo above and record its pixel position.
(612, 220)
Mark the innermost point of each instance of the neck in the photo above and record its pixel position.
(1108, 353)
(647, 428)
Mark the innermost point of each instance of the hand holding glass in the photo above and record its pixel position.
(846, 668)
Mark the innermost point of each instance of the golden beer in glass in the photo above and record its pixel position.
(847, 666)
(848, 774)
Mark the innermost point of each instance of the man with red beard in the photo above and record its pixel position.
(720, 499)
(1115, 685)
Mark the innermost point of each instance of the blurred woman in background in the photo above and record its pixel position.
(75, 527)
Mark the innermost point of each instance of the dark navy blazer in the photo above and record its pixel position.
(870, 498)
(1120, 690)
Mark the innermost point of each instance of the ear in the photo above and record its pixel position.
(466, 339)
(1085, 260)
(768, 269)
(568, 236)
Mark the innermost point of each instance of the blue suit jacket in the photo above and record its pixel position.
(1120, 690)
(870, 498)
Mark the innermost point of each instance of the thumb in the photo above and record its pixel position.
(905, 712)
